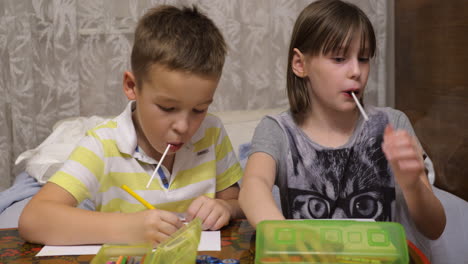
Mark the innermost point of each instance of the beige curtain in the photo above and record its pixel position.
(64, 58)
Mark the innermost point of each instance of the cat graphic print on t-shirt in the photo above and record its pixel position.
(352, 181)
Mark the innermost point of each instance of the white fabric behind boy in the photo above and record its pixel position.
(43, 161)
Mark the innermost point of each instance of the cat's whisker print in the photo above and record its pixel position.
(379, 159)
(367, 170)
(371, 168)
(370, 174)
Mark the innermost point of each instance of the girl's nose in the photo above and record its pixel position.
(354, 69)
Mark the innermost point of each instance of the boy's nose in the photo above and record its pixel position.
(181, 125)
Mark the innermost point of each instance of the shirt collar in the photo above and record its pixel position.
(126, 138)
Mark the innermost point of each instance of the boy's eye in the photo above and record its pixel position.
(199, 111)
(166, 109)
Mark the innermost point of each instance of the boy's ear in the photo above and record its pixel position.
(129, 85)
(298, 64)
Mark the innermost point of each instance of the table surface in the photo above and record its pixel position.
(237, 241)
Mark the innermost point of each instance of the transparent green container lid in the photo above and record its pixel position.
(180, 248)
(330, 241)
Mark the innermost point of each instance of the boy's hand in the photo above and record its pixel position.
(214, 213)
(405, 157)
(154, 226)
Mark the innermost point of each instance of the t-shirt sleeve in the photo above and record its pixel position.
(80, 172)
(228, 169)
(400, 121)
(269, 138)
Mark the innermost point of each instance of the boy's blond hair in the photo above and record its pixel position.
(180, 39)
(324, 26)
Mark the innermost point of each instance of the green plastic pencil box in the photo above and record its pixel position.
(110, 253)
(181, 247)
(330, 241)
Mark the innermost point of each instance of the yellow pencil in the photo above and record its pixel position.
(136, 196)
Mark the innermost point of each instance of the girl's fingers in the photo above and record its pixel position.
(388, 130)
(400, 145)
(410, 165)
(405, 154)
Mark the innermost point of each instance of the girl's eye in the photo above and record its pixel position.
(364, 60)
(339, 59)
(166, 109)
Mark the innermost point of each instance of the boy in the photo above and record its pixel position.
(177, 60)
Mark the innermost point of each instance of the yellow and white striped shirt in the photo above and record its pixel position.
(108, 157)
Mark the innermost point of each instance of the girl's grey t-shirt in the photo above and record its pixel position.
(350, 181)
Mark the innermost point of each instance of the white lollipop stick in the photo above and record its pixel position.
(159, 165)
(360, 107)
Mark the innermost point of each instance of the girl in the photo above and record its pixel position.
(327, 161)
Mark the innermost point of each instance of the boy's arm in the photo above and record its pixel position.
(256, 198)
(51, 218)
(229, 197)
(216, 213)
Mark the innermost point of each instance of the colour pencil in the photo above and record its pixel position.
(136, 196)
(119, 261)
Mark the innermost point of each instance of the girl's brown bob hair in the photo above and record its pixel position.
(322, 27)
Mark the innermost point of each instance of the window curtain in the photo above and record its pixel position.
(65, 58)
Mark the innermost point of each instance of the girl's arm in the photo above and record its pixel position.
(425, 209)
(255, 197)
(405, 158)
(51, 218)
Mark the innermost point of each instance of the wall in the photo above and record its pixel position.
(65, 58)
(431, 85)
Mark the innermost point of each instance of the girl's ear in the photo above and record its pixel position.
(298, 64)
(129, 85)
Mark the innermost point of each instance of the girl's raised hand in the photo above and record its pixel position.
(405, 157)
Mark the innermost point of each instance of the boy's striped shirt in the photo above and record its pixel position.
(108, 157)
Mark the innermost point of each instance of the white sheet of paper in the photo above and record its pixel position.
(209, 241)
(68, 250)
